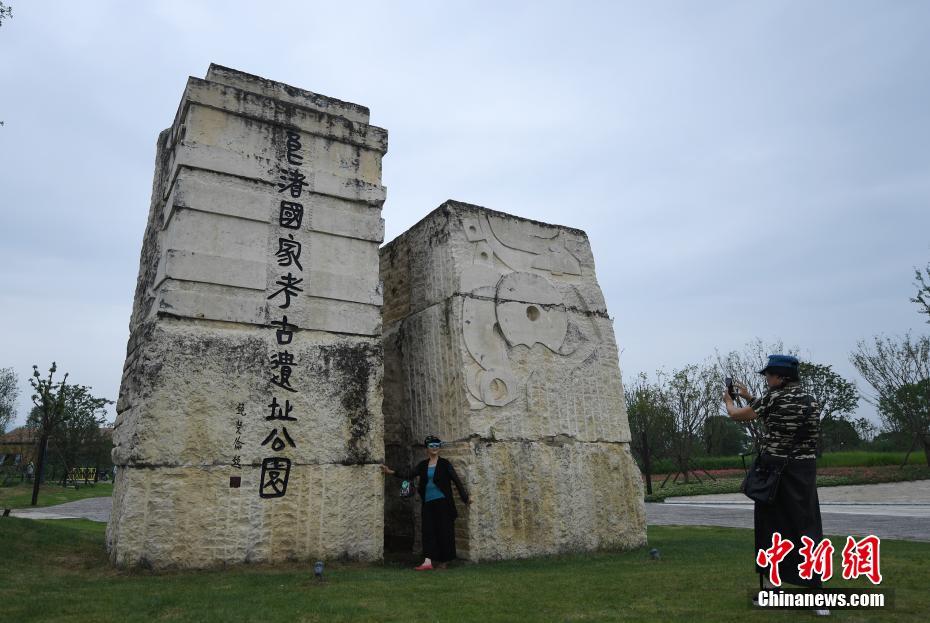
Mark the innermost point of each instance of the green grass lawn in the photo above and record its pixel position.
(58, 571)
(20, 495)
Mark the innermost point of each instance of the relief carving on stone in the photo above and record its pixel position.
(522, 308)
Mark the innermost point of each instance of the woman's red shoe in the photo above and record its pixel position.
(428, 567)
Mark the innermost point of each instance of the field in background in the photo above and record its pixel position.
(836, 469)
(853, 458)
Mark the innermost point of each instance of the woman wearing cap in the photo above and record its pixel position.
(791, 419)
(435, 477)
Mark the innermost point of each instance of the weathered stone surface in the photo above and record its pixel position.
(464, 249)
(512, 354)
(254, 356)
(286, 93)
(214, 221)
(455, 382)
(186, 383)
(534, 498)
(190, 517)
(496, 332)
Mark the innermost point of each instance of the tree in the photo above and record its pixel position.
(648, 417)
(837, 397)
(55, 404)
(899, 373)
(77, 440)
(724, 436)
(865, 429)
(744, 366)
(691, 395)
(923, 290)
(9, 392)
(838, 434)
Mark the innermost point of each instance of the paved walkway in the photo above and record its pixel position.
(898, 510)
(95, 509)
(894, 510)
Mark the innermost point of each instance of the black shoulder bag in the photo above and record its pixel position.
(761, 481)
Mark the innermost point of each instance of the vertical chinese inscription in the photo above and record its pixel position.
(237, 443)
(276, 469)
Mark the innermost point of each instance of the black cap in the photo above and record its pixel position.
(786, 366)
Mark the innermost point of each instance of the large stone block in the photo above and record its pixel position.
(497, 338)
(166, 517)
(254, 346)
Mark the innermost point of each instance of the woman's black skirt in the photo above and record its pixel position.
(794, 513)
(438, 523)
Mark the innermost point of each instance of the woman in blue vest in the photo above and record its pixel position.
(435, 476)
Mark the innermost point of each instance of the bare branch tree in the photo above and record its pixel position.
(691, 395)
(899, 373)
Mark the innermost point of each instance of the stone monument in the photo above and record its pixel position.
(249, 420)
(497, 339)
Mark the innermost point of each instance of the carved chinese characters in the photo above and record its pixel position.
(249, 424)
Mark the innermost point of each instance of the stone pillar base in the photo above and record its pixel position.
(537, 498)
(180, 517)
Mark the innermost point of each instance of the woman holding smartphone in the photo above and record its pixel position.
(791, 418)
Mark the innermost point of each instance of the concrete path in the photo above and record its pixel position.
(899, 510)
(95, 509)
(894, 510)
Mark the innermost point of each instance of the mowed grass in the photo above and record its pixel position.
(58, 571)
(20, 495)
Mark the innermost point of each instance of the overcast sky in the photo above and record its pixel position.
(742, 168)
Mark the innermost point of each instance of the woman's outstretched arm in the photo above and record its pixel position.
(463, 492)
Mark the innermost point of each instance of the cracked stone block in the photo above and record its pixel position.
(250, 406)
(189, 517)
(496, 331)
(216, 376)
(537, 498)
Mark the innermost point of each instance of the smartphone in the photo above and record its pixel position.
(731, 389)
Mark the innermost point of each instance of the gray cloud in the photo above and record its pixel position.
(742, 169)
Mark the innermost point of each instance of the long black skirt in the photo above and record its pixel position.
(794, 513)
(438, 522)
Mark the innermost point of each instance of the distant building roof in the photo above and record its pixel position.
(19, 436)
(23, 435)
